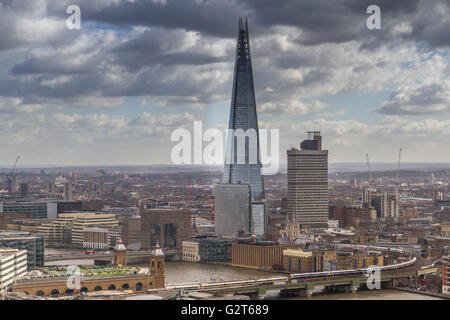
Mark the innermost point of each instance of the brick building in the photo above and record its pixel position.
(168, 227)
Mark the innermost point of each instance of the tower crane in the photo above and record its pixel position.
(14, 167)
(10, 176)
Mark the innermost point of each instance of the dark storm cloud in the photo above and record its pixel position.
(217, 18)
(153, 53)
(160, 46)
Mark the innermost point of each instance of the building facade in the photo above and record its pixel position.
(445, 274)
(34, 246)
(260, 255)
(13, 265)
(308, 184)
(191, 251)
(233, 205)
(167, 227)
(40, 210)
(242, 162)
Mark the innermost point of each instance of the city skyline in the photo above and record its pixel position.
(82, 97)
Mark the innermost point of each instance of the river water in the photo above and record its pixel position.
(186, 272)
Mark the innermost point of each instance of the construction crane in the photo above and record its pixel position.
(194, 223)
(370, 172)
(397, 182)
(9, 177)
(14, 167)
(211, 205)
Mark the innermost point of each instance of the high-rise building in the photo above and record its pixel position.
(24, 190)
(242, 163)
(68, 191)
(386, 204)
(308, 184)
(51, 187)
(232, 209)
(12, 183)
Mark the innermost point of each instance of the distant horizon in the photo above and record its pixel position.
(333, 166)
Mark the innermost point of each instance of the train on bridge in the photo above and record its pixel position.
(291, 278)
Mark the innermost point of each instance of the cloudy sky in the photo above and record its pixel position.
(114, 91)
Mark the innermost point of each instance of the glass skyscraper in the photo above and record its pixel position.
(243, 116)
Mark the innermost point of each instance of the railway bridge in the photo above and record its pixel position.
(308, 287)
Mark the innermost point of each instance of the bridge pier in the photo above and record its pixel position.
(293, 292)
(310, 289)
(309, 293)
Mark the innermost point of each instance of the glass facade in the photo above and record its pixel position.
(24, 241)
(243, 116)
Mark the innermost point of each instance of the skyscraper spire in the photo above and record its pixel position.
(243, 116)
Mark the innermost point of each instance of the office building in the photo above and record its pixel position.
(69, 228)
(34, 245)
(212, 249)
(68, 191)
(24, 190)
(385, 204)
(243, 160)
(12, 183)
(260, 255)
(166, 227)
(40, 210)
(233, 208)
(51, 187)
(85, 220)
(131, 231)
(13, 265)
(308, 184)
(100, 238)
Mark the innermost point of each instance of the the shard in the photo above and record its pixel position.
(243, 116)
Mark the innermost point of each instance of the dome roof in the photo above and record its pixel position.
(120, 246)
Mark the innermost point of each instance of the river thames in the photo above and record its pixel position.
(185, 272)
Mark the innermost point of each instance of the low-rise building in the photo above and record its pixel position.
(191, 251)
(260, 255)
(215, 249)
(69, 227)
(359, 261)
(100, 238)
(295, 260)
